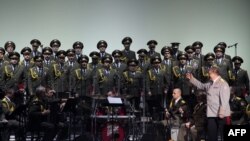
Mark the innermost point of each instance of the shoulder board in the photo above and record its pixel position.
(238, 98)
(183, 102)
(222, 80)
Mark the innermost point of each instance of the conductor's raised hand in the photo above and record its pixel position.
(189, 76)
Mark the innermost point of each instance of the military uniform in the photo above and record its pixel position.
(60, 75)
(96, 63)
(143, 61)
(12, 75)
(132, 83)
(223, 64)
(55, 44)
(2, 64)
(39, 121)
(71, 64)
(127, 53)
(193, 62)
(8, 44)
(38, 76)
(239, 78)
(179, 76)
(152, 53)
(174, 115)
(103, 44)
(157, 83)
(226, 56)
(218, 94)
(48, 60)
(175, 49)
(78, 46)
(106, 78)
(35, 45)
(82, 78)
(238, 109)
(13, 124)
(197, 46)
(208, 63)
(118, 65)
(197, 121)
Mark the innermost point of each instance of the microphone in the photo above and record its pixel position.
(232, 45)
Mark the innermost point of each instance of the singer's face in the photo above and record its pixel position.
(190, 55)
(117, 58)
(14, 61)
(107, 64)
(1, 55)
(39, 63)
(84, 64)
(71, 58)
(132, 68)
(219, 54)
(167, 55)
(46, 56)
(10, 48)
(127, 46)
(183, 61)
(197, 50)
(26, 56)
(35, 47)
(61, 59)
(55, 48)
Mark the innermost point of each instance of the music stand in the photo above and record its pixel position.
(70, 107)
(114, 102)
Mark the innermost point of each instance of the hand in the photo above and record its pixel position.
(221, 116)
(165, 91)
(62, 105)
(149, 93)
(189, 76)
(45, 112)
(181, 110)
(187, 124)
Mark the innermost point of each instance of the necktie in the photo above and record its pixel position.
(107, 72)
(40, 72)
(218, 61)
(84, 71)
(157, 71)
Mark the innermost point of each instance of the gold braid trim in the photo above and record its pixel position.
(128, 80)
(33, 74)
(78, 74)
(56, 71)
(151, 76)
(8, 73)
(204, 73)
(176, 71)
(102, 77)
(231, 75)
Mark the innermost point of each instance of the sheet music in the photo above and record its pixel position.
(114, 100)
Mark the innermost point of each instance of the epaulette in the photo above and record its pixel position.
(222, 80)
(183, 101)
(238, 98)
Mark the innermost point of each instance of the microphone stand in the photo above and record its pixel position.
(235, 48)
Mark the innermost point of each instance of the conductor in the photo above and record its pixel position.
(218, 94)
